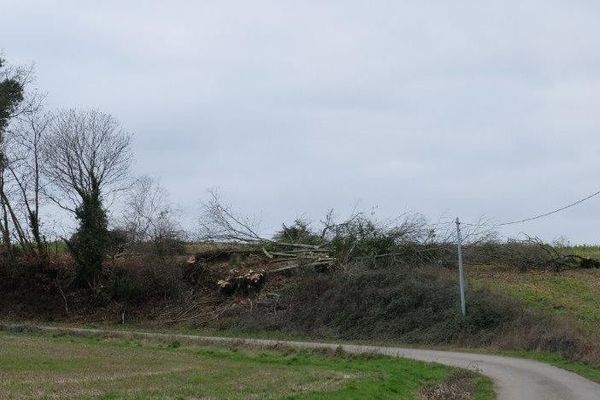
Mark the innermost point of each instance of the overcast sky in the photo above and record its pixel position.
(448, 108)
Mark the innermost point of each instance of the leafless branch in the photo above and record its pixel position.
(219, 222)
(85, 151)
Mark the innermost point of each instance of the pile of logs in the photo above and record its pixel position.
(299, 256)
(293, 255)
(285, 257)
(245, 284)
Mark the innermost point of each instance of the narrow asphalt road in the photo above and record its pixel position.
(514, 378)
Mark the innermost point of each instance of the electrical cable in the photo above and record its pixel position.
(520, 221)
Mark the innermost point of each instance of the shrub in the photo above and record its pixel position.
(528, 254)
(124, 286)
(299, 233)
(142, 280)
(361, 237)
(411, 305)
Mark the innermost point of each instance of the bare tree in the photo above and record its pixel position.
(145, 202)
(86, 156)
(23, 167)
(18, 101)
(150, 218)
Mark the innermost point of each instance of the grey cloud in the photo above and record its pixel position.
(446, 108)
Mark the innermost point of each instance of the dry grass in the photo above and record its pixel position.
(459, 386)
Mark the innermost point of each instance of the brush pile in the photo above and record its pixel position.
(295, 256)
(252, 264)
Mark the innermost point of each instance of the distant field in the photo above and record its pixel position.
(47, 367)
(572, 293)
(591, 251)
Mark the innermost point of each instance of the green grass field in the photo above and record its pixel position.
(582, 250)
(575, 294)
(47, 367)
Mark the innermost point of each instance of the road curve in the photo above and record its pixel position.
(514, 378)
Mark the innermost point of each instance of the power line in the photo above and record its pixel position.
(551, 212)
(520, 221)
